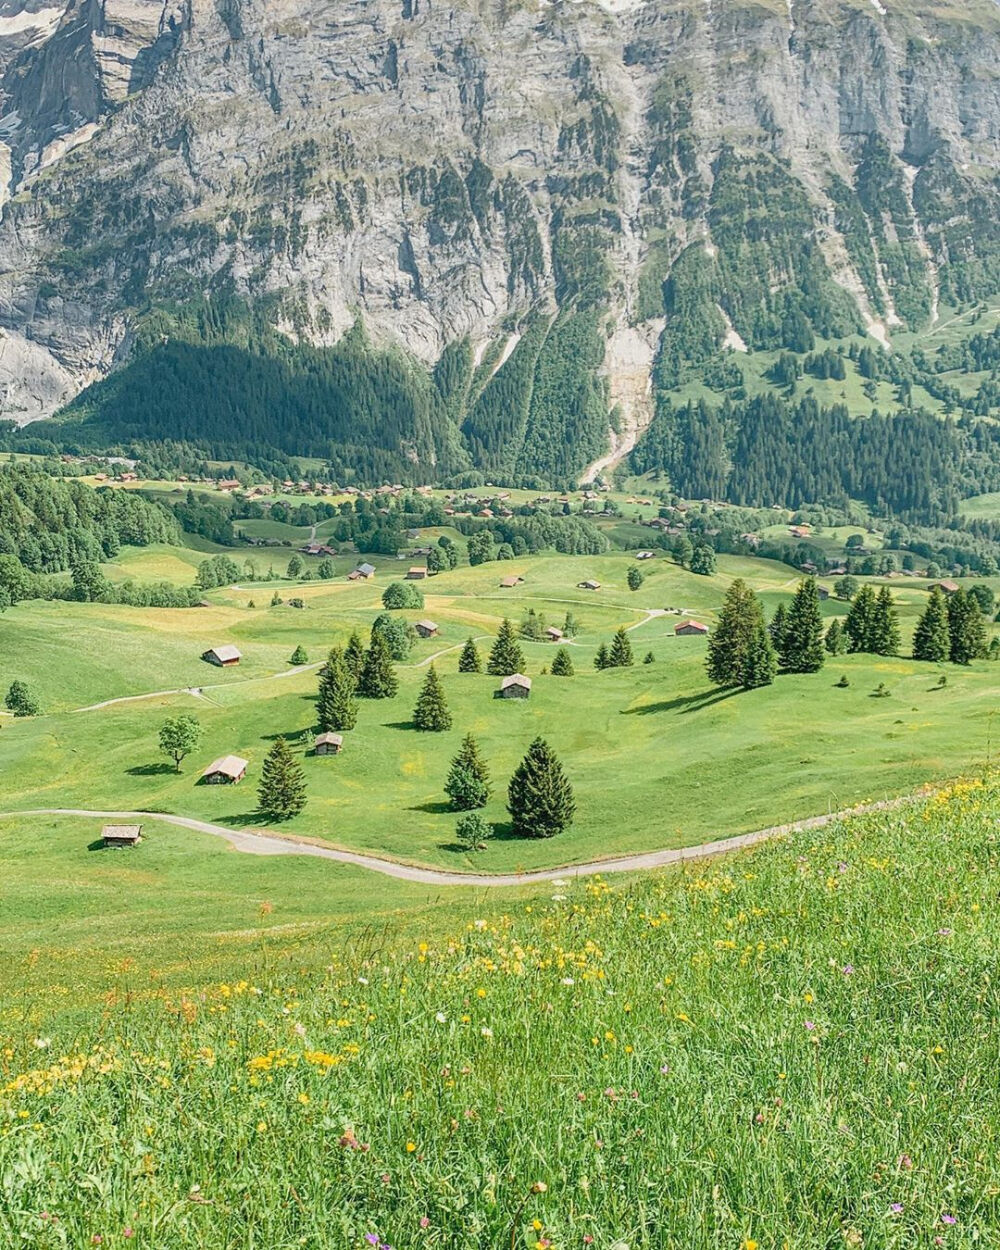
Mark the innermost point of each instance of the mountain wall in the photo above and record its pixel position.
(648, 181)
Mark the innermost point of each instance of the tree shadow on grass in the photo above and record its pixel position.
(684, 703)
(150, 770)
(400, 724)
(435, 808)
(290, 735)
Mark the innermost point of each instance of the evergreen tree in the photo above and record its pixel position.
(740, 651)
(506, 657)
(468, 783)
(431, 712)
(802, 647)
(282, 790)
(932, 636)
(702, 559)
(470, 660)
(860, 622)
(885, 624)
(299, 655)
(378, 679)
(472, 831)
(634, 577)
(562, 665)
(602, 659)
(294, 567)
(336, 710)
(835, 640)
(779, 627)
(20, 700)
(539, 796)
(761, 664)
(648, 658)
(620, 655)
(354, 656)
(966, 627)
(571, 626)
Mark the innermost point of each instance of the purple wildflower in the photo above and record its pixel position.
(810, 1025)
(896, 1208)
(948, 1219)
(848, 970)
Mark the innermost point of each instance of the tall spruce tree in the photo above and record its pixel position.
(378, 678)
(740, 651)
(506, 657)
(336, 710)
(431, 712)
(860, 622)
(802, 647)
(620, 655)
(282, 790)
(539, 796)
(470, 660)
(835, 640)
(602, 659)
(562, 665)
(932, 635)
(885, 624)
(468, 782)
(966, 627)
(354, 656)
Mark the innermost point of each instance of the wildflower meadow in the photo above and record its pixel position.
(794, 1048)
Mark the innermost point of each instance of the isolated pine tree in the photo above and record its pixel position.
(354, 656)
(468, 783)
(299, 655)
(620, 655)
(740, 651)
(649, 658)
(336, 710)
(506, 657)
(802, 647)
(602, 658)
(860, 622)
(885, 624)
(932, 636)
(378, 678)
(562, 665)
(634, 577)
(835, 640)
(967, 628)
(539, 796)
(431, 712)
(470, 660)
(282, 789)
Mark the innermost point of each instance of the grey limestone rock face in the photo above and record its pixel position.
(438, 168)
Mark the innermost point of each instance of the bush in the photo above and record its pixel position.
(401, 595)
(472, 831)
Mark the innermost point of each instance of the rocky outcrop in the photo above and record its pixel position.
(443, 169)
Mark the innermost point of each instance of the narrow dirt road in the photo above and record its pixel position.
(266, 842)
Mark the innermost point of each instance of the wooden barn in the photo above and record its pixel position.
(589, 585)
(121, 835)
(328, 744)
(553, 634)
(690, 628)
(516, 686)
(227, 770)
(224, 657)
(426, 629)
(417, 573)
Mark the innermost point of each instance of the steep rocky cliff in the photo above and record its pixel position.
(496, 171)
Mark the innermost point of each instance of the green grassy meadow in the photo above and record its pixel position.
(790, 1047)
(656, 756)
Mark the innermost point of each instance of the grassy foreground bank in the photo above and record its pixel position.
(790, 1047)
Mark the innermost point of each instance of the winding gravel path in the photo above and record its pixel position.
(269, 843)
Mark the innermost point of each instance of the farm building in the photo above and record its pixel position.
(224, 657)
(517, 686)
(508, 583)
(822, 592)
(121, 835)
(686, 628)
(644, 555)
(947, 588)
(228, 769)
(426, 629)
(589, 585)
(416, 573)
(328, 744)
(553, 634)
(363, 573)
